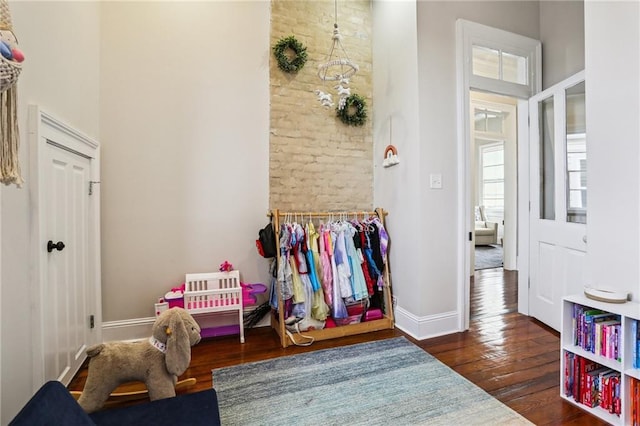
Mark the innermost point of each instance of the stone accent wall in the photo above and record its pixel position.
(318, 163)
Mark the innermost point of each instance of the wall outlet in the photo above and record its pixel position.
(394, 301)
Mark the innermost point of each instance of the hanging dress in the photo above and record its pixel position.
(319, 309)
(377, 264)
(285, 278)
(338, 309)
(383, 244)
(343, 276)
(294, 262)
(326, 278)
(312, 241)
(359, 286)
(311, 263)
(360, 242)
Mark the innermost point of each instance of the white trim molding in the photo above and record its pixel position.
(421, 328)
(125, 330)
(140, 328)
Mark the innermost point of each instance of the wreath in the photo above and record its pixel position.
(354, 111)
(285, 63)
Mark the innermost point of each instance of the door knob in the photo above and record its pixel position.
(584, 239)
(58, 246)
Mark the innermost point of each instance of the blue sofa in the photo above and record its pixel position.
(54, 405)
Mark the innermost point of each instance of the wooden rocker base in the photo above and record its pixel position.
(138, 391)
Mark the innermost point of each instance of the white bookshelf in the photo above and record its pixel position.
(628, 312)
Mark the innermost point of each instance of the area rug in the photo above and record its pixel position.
(488, 257)
(385, 382)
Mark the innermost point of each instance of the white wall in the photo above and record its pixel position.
(438, 270)
(60, 73)
(423, 221)
(396, 122)
(184, 108)
(612, 68)
(562, 37)
(184, 176)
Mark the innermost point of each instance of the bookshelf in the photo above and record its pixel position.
(597, 368)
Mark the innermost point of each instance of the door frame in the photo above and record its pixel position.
(510, 220)
(467, 33)
(43, 127)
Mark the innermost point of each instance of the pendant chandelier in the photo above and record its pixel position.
(338, 67)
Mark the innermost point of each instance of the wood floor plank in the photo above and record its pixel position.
(513, 357)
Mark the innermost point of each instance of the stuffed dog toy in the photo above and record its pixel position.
(157, 361)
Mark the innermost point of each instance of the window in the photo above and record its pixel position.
(487, 120)
(499, 65)
(514, 68)
(576, 154)
(492, 178)
(486, 62)
(499, 61)
(547, 156)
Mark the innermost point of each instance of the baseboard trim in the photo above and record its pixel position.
(421, 328)
(131, 329)
(140, 328)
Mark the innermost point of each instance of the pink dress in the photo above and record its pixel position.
(327, 277)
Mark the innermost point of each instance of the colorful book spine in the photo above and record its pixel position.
(568, 373)
(592, 384)
(635, 343)
(598, 332)
(634, 399)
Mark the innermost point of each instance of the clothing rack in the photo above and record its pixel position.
(277, 318)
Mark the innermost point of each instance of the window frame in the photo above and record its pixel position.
(491, 145)
(474, 34)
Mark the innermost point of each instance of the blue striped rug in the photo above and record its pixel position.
(386, 382)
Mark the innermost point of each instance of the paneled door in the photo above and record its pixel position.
(66, 311)
(65, 244)
(558, 195)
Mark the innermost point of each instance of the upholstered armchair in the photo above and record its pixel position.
(485, 232)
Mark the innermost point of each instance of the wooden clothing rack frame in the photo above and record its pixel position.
(277, 317)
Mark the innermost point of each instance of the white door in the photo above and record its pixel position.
(65, 294)
(558, 192)
(66, 306)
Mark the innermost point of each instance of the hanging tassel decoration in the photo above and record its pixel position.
(9, 138)
(10, 66)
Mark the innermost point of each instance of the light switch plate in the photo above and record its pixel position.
(435, 181)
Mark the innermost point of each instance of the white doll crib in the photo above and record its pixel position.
(214, 292)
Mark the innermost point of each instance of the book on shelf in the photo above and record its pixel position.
(586, 367)
(596, 331)
(635, 343)
(591, 392)
(634, 409)
(568, 373)
(608, 381)
(610, 339)
(592, 384)
(634, 399)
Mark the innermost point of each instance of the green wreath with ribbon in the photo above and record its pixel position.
(285, 63)
(354, 111)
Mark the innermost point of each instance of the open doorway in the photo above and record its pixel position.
(494, 193)
(491, 60)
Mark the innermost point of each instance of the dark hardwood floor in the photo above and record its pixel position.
(512, 357)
